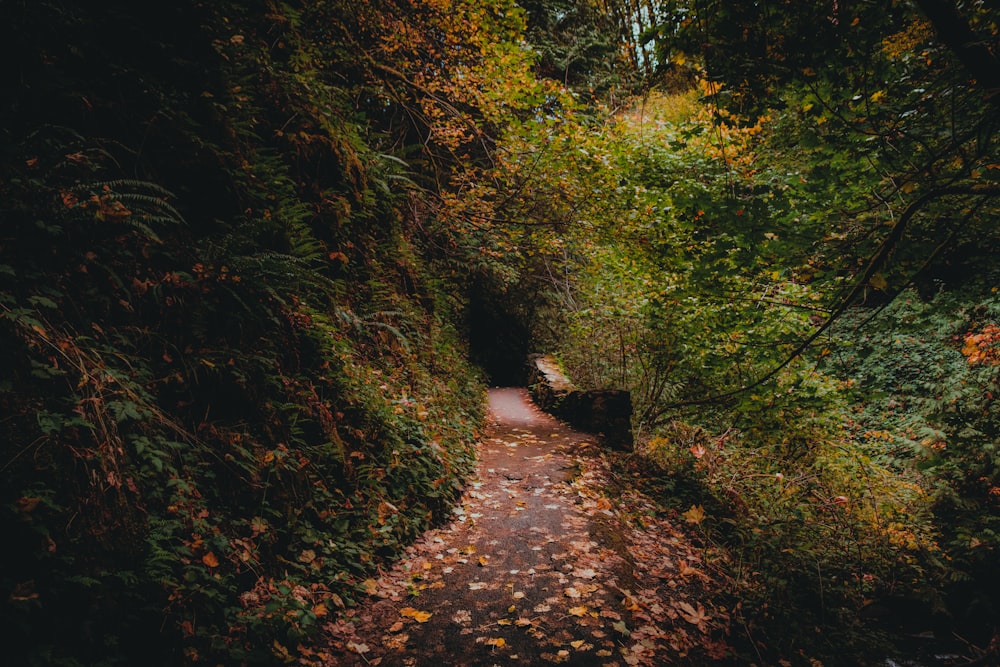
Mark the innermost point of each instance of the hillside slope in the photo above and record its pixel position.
(231, 372)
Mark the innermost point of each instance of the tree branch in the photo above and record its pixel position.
(875, 265)
(954, 32)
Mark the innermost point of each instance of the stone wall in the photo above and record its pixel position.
(603, 412)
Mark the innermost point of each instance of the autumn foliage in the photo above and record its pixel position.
(247, 250)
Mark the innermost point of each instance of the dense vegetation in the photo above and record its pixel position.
(248, 251)
(232, 379)
(800, 290)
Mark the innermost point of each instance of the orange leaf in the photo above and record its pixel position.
(370, 586)
(695, 515)
(210, 559)
(418, 616)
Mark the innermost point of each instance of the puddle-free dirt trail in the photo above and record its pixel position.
(539, 566)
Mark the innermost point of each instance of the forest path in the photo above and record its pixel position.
(547, 560)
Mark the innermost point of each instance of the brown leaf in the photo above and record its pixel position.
(692, 615)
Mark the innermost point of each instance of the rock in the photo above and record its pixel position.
(603, 412)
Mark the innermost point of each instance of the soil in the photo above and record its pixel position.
(548, 560)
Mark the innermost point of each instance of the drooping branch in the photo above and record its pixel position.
(875, 264)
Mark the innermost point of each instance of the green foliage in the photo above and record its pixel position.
(696, 300)
(578, 44)
(937, 413)
(812, 530)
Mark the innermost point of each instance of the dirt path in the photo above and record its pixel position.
(543, 563)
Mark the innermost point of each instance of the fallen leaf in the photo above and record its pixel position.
(498, 642)
(580, 610)
(692, 615)
(370, 586)
(695, 515)
(476, 585)
(418, 616)
(686, 570)
(395, 642)
(210, 559)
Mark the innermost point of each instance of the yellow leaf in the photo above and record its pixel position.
(370, 586)
(418, 616)
(499, 642)
(580, 610)
(695, 515)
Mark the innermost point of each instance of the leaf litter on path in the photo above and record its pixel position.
(542, 564)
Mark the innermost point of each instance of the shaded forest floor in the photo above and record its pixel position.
(549, 559)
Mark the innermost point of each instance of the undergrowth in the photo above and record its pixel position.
(232, 384)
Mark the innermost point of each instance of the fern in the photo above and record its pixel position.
(138, 204)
